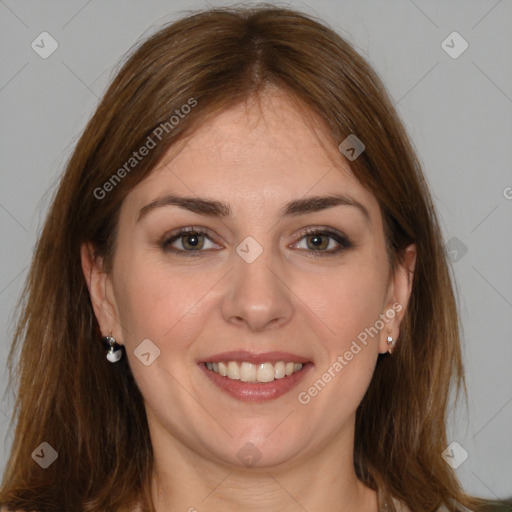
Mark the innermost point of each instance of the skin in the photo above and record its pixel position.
(256, 157)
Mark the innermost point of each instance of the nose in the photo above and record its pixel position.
(258, 295)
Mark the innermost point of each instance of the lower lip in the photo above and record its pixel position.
(256, 391)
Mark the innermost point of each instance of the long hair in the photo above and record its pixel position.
(92, 414)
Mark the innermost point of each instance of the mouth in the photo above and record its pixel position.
(255, 377)
(249, 372)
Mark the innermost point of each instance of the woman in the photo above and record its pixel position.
(245, 226)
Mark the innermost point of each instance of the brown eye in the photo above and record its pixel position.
(324, 242)
(188, 242)
(317, 241)
(192, 241)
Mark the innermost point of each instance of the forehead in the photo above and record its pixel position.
(265, 149)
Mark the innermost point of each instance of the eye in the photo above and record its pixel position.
(188, 242)
(192, 241)
(324, 242)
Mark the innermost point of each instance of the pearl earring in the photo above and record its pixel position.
(113, 355)
(390, 343)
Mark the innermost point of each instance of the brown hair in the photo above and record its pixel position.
(91, 412)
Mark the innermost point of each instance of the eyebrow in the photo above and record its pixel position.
(214, 208)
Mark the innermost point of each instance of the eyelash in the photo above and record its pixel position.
(343, 241)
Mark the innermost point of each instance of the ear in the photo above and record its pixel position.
(101, 292)
(399, 291)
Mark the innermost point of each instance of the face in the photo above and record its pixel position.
(253, 275)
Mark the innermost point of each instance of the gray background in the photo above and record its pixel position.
(458, 113)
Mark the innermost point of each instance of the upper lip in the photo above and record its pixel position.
(251, 357)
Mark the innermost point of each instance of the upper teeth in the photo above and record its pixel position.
(248, 372)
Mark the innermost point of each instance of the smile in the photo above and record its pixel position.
(249, 372)
(255, 377)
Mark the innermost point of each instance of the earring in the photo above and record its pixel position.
(113, 355)
(390, 343)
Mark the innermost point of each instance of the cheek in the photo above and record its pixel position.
(158, 304)
(347, 307)
(347, 301)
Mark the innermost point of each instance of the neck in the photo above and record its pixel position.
(185, 480)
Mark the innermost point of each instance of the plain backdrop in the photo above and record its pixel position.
(456, 106)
